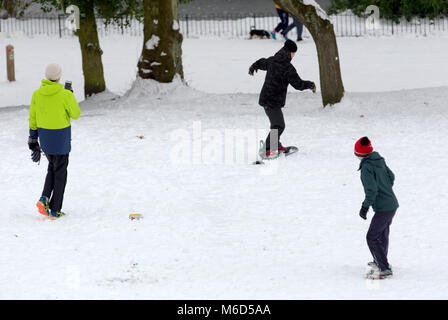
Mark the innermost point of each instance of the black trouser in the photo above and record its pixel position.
(378, 237)
(284, 17)
(56, 180)
(277, 120)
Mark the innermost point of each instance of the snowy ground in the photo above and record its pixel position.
(231, 230)
(220, 66)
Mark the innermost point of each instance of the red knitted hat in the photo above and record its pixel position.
(363, 147)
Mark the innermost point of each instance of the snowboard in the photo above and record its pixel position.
(289, 151)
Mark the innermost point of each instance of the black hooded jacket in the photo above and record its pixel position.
(280, 73)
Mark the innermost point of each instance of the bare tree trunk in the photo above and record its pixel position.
(324, 37)
(64, 5)
(11, 7)
(92, 64)
(161, 57)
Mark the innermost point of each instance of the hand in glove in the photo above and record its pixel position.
(252, 70)
(363, 212)
(33, 145)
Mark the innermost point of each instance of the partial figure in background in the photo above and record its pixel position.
(295, 24)
(52, 107)
(284, 17)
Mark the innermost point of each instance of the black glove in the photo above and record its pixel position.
(363, 212)
(252, 70)
(33, 145)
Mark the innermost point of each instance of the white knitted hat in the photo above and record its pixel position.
(53, 72)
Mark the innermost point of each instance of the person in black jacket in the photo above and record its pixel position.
(284, 18)
(280, 74)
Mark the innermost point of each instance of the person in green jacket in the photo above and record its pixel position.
(377, 180)
(52, 107)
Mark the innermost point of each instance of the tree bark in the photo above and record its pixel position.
(161, 57)
(92, 64)
(324, 37)
(11, 7)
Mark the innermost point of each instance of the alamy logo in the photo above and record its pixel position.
(373, 20)
(73, 21)
(220, 146)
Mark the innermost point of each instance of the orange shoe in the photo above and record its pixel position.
(43, 206)
(54, 215)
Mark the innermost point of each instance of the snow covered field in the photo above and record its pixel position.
(289, 230)
(220, 66)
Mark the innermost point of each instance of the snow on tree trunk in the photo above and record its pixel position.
(322, 31)
(161, 57)
(92, 64)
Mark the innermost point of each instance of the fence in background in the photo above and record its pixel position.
(228, 26)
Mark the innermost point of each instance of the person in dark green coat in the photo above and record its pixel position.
(377, 180)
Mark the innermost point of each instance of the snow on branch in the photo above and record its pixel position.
(304, 6)
(320, 12)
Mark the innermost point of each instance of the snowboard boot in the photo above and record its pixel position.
(43, 206)
(54, 215)
(385, 274)
(282, 149)
(271, 155)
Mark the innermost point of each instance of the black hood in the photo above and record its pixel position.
(283, 55)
